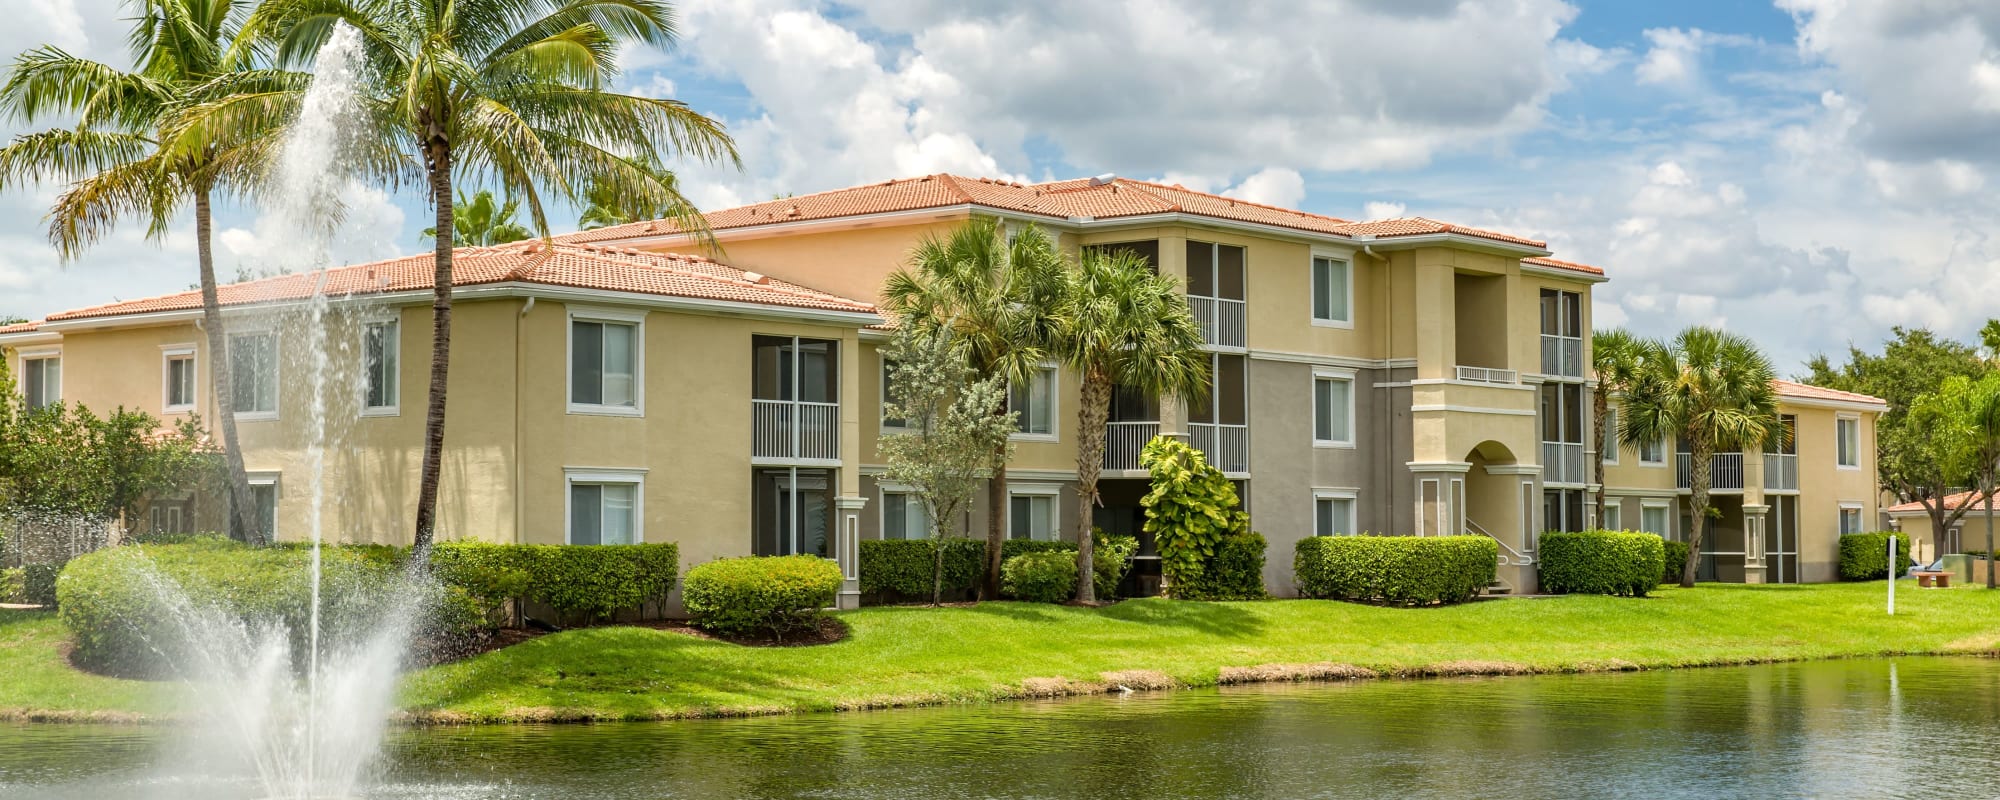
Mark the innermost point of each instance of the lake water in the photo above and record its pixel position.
(1915, 727)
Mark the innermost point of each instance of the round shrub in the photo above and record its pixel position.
(775, 594)
(1045, 577)
(1673, 560)
(1865, 556)
(1396, 570)
(1618, 563)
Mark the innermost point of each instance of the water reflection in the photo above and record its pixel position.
(1839, 729)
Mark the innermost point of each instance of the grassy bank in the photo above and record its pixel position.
(906, 656)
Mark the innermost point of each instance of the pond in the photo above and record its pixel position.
(1878, 728)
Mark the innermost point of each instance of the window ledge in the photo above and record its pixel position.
(1653, 464)
(1327, 445)
(382, 411)
(1346, 325)
(256, 416)
(188, 409)
(605, 411)
(1033, 437)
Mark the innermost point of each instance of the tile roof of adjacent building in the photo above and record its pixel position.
(578, 266)
(1560, 264)
(20, 327)
(1808, 392)
(1951, 503)
(1094, 198)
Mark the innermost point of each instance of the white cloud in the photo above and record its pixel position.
(1922, 74)
(1674, 56)
(1273, 186)
(1378, 209)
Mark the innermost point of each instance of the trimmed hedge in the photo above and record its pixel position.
(1673, 559)
(778, 594)
(578, 582)
(1396, 570)
(1865, 556)
(1601, 562)
(902, 567)
(1045, 577)
(10, 586)
(38, 583)
(1234, 572)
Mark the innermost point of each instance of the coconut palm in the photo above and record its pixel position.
(1119, 324)
(479, 221)
(1710, 389)
(115, 166)
(1961, 420)
(605, 206)
(994, 297)
(516, 92)
(1614, 358)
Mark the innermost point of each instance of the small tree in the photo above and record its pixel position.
(1614, 356)
(951, 430)
(1189, 509)
(1961, 422)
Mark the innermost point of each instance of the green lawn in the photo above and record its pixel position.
(901, 656)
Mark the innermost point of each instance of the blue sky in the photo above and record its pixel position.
(1809, 172)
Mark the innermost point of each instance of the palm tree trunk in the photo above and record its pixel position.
(243, 506)
(1094, 407)
(996, 515)
(1600, 402)
(1698, 479)
(937, 569)
(437, 152)
(1989, 534)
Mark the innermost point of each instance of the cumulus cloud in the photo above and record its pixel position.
(1274, 186)
(1378, 209)
(1925, 76)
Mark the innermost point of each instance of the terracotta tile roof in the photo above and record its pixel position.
(20, 327)
(1806, 392)
(1951, 503)
(1559, 264)
(1082, 197)
(569, 265)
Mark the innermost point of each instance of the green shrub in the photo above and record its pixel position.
(1190, 509)
(580, 583)
(779, 594)
(1601, 562)
(1234, 572)
(38, 583)
(1673, 559)
(1113, 556)
(1397, 570)
(11, 588)
(901, 568)
(1865, 556)
(1044, 577)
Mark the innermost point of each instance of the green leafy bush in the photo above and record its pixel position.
(778, 594)
(901, 568)
(578, 582)
(1234, 572)
(1190, 509)
(1045, 577)
(1113, 556)
(1397, 570)
(1673, 559)
(1601, 562)
(1865, 556)
(38, 583)
(11, 590)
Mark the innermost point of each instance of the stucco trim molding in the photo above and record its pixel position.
(1439, 466)
(1505, 412)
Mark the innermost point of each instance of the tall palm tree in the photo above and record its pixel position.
(1614, 358)
(1962, 419)
(1119, 324)
(479, 221)
(1711, 389)
(605, 206)
(512, 91)
(115, 165)
(995, 298)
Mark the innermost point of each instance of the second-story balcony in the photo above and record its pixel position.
(1493, 375)
(1562, 355)
(794, 408)
(1725, 473)
(1227, 447)
(1124, 440)
(795, 430)
(1563, 462)
(1221, 320)
(1781, 472)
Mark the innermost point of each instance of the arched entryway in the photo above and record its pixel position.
(1500, 503)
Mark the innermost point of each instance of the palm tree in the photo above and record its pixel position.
(1119, 324)
(479, 221)
(1614, 358)
(114, 163)
(1961, 418)
(994, 297)
(605, 206)
(1710, 389)
(513, 91)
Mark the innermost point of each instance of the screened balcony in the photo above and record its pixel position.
(1215, 292)
(795, 400)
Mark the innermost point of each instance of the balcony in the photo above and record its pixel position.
(1725, 473)
(1501, 377)
(1781, 472)
(1562, 355)
(1124, 440)
(1563, 463)
(794, 430)
(1221, 320)
(1227, 447)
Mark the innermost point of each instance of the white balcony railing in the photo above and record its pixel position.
(1562, 355)
(1781, 472)
(1227, 447)
(1124, 440)
(1563, 463)
(1488, 375)
(1725, 472)
(1221, 320)
(792, 429)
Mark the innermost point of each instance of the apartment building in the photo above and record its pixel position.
(1402, 376)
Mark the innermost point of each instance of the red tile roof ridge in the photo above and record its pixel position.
(1235, 200)
(664, 262)
(21, 327)
(1561, 264)
(1807, 390)
(1951, 502)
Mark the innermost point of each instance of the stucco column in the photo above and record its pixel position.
(847, 547)
(1753, 478)
(1173, 416)
(1753, 536)
(1437, 320)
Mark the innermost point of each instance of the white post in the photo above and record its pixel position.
(1892, 574)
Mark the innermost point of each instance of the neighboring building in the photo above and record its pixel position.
(1400, 376)
(1966, 535)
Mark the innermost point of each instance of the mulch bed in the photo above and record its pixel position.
(830, 630)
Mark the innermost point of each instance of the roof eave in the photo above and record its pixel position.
(1837, 405)
(1479, 243)
(1565, 274)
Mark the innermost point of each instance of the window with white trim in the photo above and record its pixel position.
(1850, 518)
(1334, 513)
(1031, 514)
(264, 492)
(177, 373)
(1332, 290)
(380, 366)
(1611, 448)
(41, 378)
(253, 374)
(1034, 403)
(605, 507)
(903, 515)
(1655, 517)
(1653, 453)
(604, 363)
(1333, 410)
(1847, 432)
(1612, 516)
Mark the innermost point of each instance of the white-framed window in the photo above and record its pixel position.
(604, 506)
(1611, 448)
(178, 381)
(903, 515)
(381, 365)
(606, 362)
(41, 377)
(166, 518)
(264, 492)
(1034, 403)
(1850, 518)
(1612, 516)
(1653, 453)
(1333, 408)
(1847, 445)
(1334, 512)
(1332, 292)
(1032, 512)
(253, 374)
(1656, 517)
